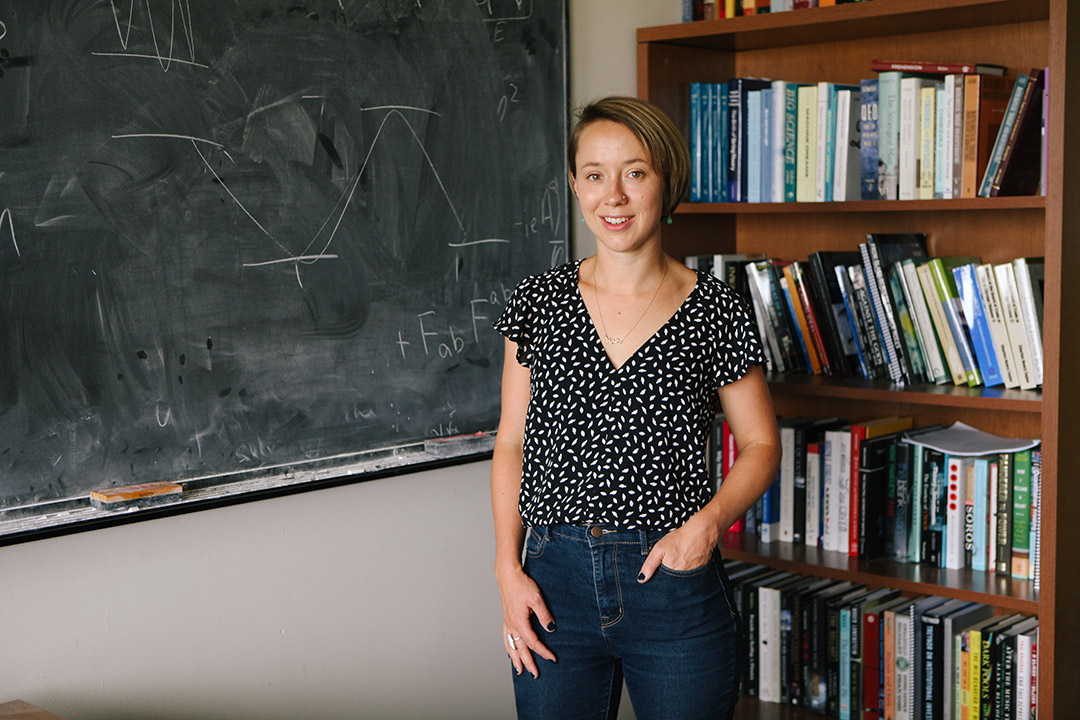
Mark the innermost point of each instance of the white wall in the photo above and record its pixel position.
(372, 600)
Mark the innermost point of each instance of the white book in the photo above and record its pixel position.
(910, 144)
(821, 157)
(769, 644)
(991, 518)
(837, 480)
(954, 512)
(1031, 319)
(1025, 644)
(813, 495)
(787, 482)
(754, 133)
(776, 129)
(1014, 323)
(847, 167)
(760, 295)
(995, 318)
(806, 144)
(948, 112)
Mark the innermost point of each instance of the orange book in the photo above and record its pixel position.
(800, 318)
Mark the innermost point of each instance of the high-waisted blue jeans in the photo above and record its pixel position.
(674, 639)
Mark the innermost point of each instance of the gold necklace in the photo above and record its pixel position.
(603, 326)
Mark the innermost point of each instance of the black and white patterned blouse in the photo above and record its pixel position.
(625, 447)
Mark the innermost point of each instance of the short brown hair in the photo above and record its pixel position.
(657, 134)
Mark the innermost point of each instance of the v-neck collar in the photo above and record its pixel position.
(597, 342)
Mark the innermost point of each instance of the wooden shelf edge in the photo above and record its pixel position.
(1027, 202)
(879, 18)
(996, 590)
(983, 398)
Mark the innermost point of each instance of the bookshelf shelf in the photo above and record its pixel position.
(1031, 203)
(837, 44)
(997, 590)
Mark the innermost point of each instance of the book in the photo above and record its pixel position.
(936, 68)
(815, 643)
(697, 144)
(956, 172)
(806, 160)
(777, 130)
(827, 298)
(995, 320)
(836, 479)
(847, 166)
(945, 286)
(874, 495)
(981, 511)
(910, 135)
(833, 634)
(909, 654)
(739, 131)
(860, 433)
(872, 186)
(747, 599)
(946, 136)
(956, 479)
(787, 427)
(755, 124)
(814, 490)
(889, 132)
(929, 652)
(884, 251)
(927, 161)
(941, 132)
(942, 329)
(982, 341)
(989, 639)
(805, 324)
(721, 123)
(1002, 137)
(929, 347)
(1004, 515)
(1029, 274)
(1021, 515)
(766, 151)
(951, 625)
(1019, 170)
(791, 139)
(794, 654)
(866, 326)
(985, 100)
(768, 635)
(1019, 336)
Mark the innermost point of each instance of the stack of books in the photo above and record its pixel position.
(848, 651)
(882, 488)
(890, 311)
(918, 130)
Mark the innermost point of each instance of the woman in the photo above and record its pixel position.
(613, 371)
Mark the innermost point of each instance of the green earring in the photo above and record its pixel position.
(582, 218)
(668, 219)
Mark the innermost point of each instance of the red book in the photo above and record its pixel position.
(936, 68)
(730, 451)
(859, 432)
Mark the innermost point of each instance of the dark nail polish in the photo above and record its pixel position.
(551, 626)
(641, 576)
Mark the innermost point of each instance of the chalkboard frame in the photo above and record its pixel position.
(72, 515)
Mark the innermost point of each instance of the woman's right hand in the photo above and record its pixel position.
(521, 599)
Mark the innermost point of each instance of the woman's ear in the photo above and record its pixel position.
(573, 182)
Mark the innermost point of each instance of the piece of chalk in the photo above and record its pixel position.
(142, 495)
(460, 444)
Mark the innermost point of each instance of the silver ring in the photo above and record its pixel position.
(510, 639)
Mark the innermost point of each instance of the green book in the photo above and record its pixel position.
(941, 270)
(1021, 514)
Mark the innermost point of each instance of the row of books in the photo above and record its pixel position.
(856, 653)
(891, 311)
(902, 135)
(715, 9)
(884, 489)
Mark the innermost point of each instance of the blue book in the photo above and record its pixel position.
(849, 310)
(723, 144)
(769, 527)
(791, 138)
(942, 126)
(737, 166)
(843, 632)
(1007, 122)
(754, 133)
(980, 529)
(872, 180)
(790, 301)
(708, 140)
(766, 145)
(697, 154)
(982, 342)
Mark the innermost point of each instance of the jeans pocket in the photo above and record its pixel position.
(692, 572)
(535, 543)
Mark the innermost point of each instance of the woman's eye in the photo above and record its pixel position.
(637, 173)
(593, 176)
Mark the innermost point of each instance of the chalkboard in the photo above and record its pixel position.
(251, 235)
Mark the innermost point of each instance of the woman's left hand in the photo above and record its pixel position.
(685, 548)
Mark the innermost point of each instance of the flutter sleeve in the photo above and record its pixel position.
(738, 345)
(518, 320)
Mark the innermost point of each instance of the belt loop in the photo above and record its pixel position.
(644, 535)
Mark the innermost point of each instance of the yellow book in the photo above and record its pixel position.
(927, 112)
(806, 144)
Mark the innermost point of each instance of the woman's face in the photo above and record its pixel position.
(621, 195)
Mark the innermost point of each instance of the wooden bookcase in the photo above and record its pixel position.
(837, 44)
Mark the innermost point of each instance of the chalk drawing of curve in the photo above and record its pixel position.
(329, 227)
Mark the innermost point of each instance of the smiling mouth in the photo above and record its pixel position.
(615, 221)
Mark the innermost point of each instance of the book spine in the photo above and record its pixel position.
(696, 147)
(735, 135)
(904, 668)
(884, 309)
(954, 314)
(1014, 324)
(1032, 320)
(889, 132)
(798, 524)
(969, 164)
(778, 142)
(901, 524)
(941, 325)
(915, 535)
(982, 341)
(934, 494)
(981, 514)
(882, 319)
(909, 138)
(1020, 136)
(866, 322)
(958, 137)
(1003, 565)
(1002, 138)
(769, 645)
(995, 320)
(940, 136)
(806, 151)
(931, 663)
(847, 294)
(1021, 515)
(826, 126)
(944, 123)
(765, 132)
(926, 161)
(954, 519)
(872, 180)
(787, 483)
(924, 327)
(722, 143)
(791, 140)
(752, 129)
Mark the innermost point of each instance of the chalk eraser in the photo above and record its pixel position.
(460, 444)
(142, 495)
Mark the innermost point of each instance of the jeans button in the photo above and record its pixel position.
(595, 532)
